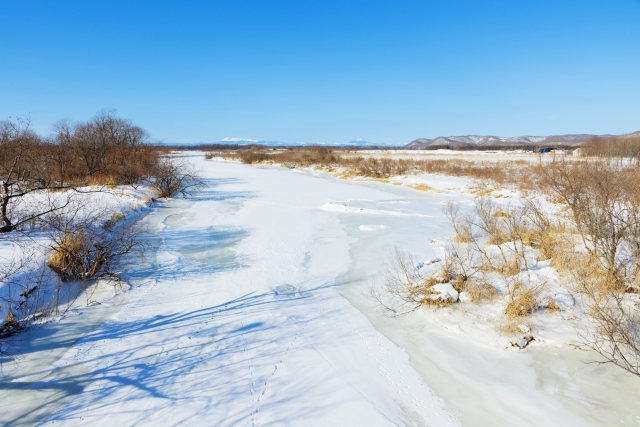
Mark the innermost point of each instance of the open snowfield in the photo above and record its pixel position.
(252, 311)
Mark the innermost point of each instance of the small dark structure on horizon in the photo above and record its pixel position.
(546, 149)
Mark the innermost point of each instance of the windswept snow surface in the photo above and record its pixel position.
(237, 321)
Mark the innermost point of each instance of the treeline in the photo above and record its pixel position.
(620, 147)
(104, 151)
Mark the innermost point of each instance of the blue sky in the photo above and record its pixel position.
(325, 71)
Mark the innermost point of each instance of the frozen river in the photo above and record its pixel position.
(253, 312)
(236, 320)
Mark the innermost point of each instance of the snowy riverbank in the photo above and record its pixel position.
(240, 318)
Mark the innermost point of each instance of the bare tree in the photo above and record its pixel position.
(604, 209)
(612, 325)
(22, 173)
(93, 140)
(176, 176)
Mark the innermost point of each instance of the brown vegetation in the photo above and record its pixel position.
(501, 172)
(604, 209)
(623, 148)
(595, 243)
(87, 247)
(104, 151)
(175, 176)
(521, 300)
(86, 242)
(404, 289)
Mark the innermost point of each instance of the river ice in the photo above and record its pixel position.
(253, 312)
(240, 323)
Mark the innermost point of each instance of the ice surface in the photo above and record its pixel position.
(253, 312)
(371, 227)
(203, 338)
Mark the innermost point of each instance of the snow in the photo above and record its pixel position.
(345, 208)
(249, 330)
(253, 311)
(371, 227)
(33, 251)
(444, 292)
(563, 299)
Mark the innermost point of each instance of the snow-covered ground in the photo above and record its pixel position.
(32, 250)
(253, 312)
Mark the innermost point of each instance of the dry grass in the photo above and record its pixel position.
(521, 300)
(555, 199)
(90, 248)
(435, 278)
(552, 305)
(601, 213)
(250, 157)
(463, 236)
(9, 327)
(560, 250)
(110, 181)
(502, 214)
(113, 220)
(479, 291)
(462, 225)
(404, 289)
(624, 148)
(481, 192)
(500, 172)
(516, 326)
(66, 257)
(438, 277)
(498, 236)
(507, 268)
(420, 187)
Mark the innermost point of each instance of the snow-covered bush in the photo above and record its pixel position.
(405, 287)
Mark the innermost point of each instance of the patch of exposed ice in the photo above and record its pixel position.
(288, 290)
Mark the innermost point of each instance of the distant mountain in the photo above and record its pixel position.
(477, 140)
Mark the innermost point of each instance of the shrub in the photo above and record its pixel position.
(90, 246)
(404, 289)
(521, 301)
(175, 176)
(478, 291)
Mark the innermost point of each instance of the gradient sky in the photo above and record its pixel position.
(325, 71)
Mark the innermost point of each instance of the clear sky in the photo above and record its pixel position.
(325, 71)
